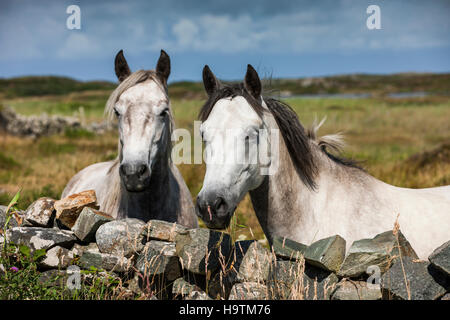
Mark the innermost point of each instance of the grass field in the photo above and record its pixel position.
(389, 135)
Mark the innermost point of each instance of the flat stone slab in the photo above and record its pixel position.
(41, 212)
(379, 251)
(104, 261)
(121, 237)
(440, 258)
(293, 280)
(69, 208)
(249, 291)
(88, 223)
(356, 290)
(410, 279)
(162, 230)
(288, 249)
(57, 258)
(327, 253)
(202, 251)
(158, 258)
(40, 238)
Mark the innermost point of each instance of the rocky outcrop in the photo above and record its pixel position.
(45, 125)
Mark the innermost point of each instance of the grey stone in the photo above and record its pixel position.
(327, 253)
(250, 261)
(158, 258)
(197, 295)
(380, 251)
(219, 286)
(134, 285)
(40, 238)
(88, 223)
(356, 290)
(12, 222)
(162, 230)
(294, 280)
(103, 261)
(78, 249)
(182, 288)
(202, 251)
(57, 257)
(41, 212)
(287, 249)
(121, 237)
(249, 291)
(410, 279)
(440, 258)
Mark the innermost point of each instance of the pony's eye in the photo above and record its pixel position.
(116, 113)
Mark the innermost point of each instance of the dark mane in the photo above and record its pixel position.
(229, 91)
(294, 135)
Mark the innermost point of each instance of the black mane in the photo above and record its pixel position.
(294, 135)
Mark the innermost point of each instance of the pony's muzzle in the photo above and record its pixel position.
(135, 176)
(214, 211)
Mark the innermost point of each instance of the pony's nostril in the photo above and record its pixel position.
(142, 169)
(220, 204)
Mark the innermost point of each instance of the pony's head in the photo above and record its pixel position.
(141, 105)
(233, 131)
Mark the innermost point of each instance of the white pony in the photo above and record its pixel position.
(312, 194)
(142, 182)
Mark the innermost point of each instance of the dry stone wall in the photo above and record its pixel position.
(168, 261)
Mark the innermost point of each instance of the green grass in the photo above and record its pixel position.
(7, 163)
(48, 85)
(66, 106)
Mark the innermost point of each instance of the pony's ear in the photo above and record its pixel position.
(252, 83)
(210, 81)
(121, 66)
(163, 67)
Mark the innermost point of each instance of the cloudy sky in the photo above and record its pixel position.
(282, 38)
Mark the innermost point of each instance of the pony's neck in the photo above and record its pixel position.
(283, 203)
